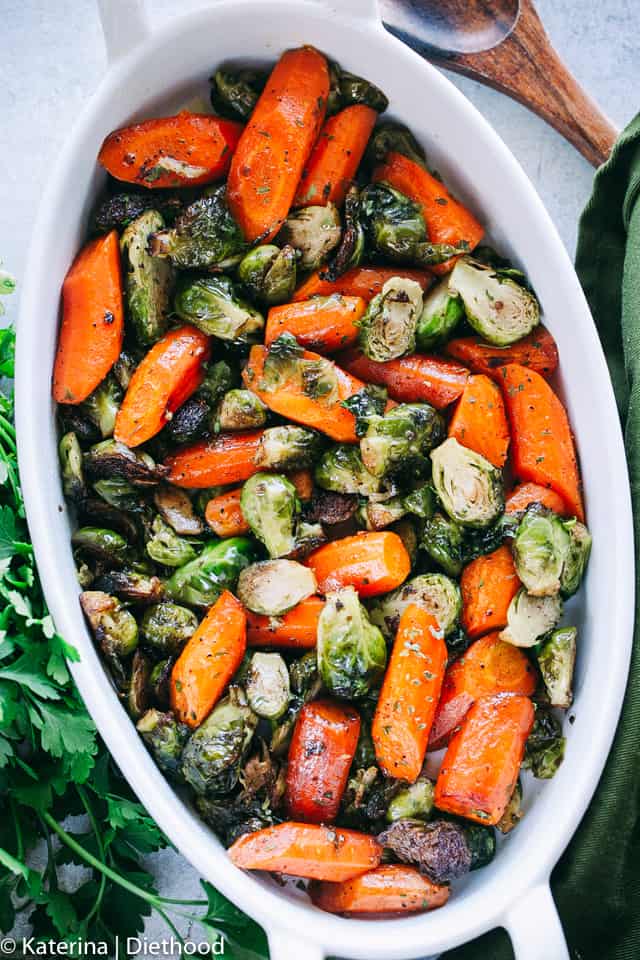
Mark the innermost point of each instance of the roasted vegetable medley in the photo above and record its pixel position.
(328, 503)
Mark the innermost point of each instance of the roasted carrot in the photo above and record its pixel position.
(446, 219)
(490, 666)
(303, 482)
(479, 421)
(227, 458)
(390, 888)
(538, 351)
(336, 157)
(92, 321)
(295, 630)
(290, 400)
(182, 151)
(373, 563)
(322, 747)
(308, 850)
(488, 585)
(409, 696)
(542, 443)
(411, 379)
(480, 768)
(167, 376)
(323, 323)
(527, 493)
(224, 514)
(365, 282)
(209, 660)
(276, 143)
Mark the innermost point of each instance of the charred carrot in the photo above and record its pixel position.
(543, 450)
(228, 458)
(322, 748)
(538, 351)
(417, 378)
(488, 585)
(365, 282)
(373, 563)
(490, 666)
(446, 219)
(209, 660)
(527, 493)
(276, 143)
(308, 850)
(390, 888)
(482, 762)
(323, 323)
(409, 696)
(479, 421)
(92, 321)
(295, 630)
(224, 514)
(167, 376)
(289, 398)
(336, 157)
(182, 151)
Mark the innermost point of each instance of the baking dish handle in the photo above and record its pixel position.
(534, 927)
(286, 946)
(125, 25)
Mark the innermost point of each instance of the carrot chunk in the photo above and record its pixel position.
(372, 563)
(224, 515)
(227, 458)
(414, 379)
(538, 351)
(488, 585)
(295, 630)
(480, 422)
(322, 323)
(527, 493)
(391, 888)
(365, 282)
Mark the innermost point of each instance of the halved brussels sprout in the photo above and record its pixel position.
(482, 844)
(408, 533)
(165, 738)
(124, 367)
(113, 626)
(218, 378)
(205, 235)
(351, 651)
(148, 281)
(103, 404)
(378, 514)
(387, 329)
(167, 627)
(415, 800)
(436, 593)
(441, 313)
(577, 557)
(469, 487)
(241, 410)
(267, 685)
(166, 547)
(269, 273)
(116, 211)
(499, 309)
(270, 506)
(131, 585)
(540, 550)
(355, 89)
(313, 232)
(309, 536)
(398, 442)
(513, 813)
(440, 848)
(112, 459)
(305, 686)
(71, 467)
(350, 253)
(139, 685)
(190, 422)
(200, 582)
(341, 469)
(442, 539)
(529, 618)
(120, 495)
(102, 544)
(394, 224)
(544, 751)
(288, 448)
(392, 136)
(234, 93)
(367, 402)
(213, 755)
(556, 660)
(212, 304)
(421, 502)
(274, 586)
(176, 509)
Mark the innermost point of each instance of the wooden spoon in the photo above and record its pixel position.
(503, 43)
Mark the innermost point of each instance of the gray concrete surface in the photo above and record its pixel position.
(52, 57)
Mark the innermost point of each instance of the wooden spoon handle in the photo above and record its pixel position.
(526, 67)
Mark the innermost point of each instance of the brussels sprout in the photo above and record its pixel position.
(442, 539)
(241, 410)
(218, 379)
(160, 682)
(71, 466)
(190, 422)
(118, 211)
(378, 514)
(351, 651)
(442, 311)
(341, 469)
(576, 559)
(499, 309)
(212, 304)
(540, 549)
(399, 441)
(165, 738)
(130, 585)
(205, 235)
(120, 495)
(330, 509)
(270, 506)
(103, 404)
(414, 801)
(269, 273)
(556, 660)
(288, 448)
(406, 530)
(176, 509)
(148, 280)
(351, 250)
(267, 686)
(114, 460)
(529, 618)
(421, 502)
(482, 844)
(354, 90)
(166, 547)
(544, 751)
(105, 545)
(200, 582)
(138, 692)
(439, 849)
(124, 367)
(439, 595)
(394, 224)
(313, 232)
(309, 536)
(513, 813)
(282, 362)
(72, 420)
(234, 93)
(457, 642)
(393, 137)
(114, 628)
(387, 329)
(305, 686)
(368, 402)
(167, 626)
(469, 487)
(213, 755)
(272, 587)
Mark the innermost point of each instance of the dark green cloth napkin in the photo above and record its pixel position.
(596, 885)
